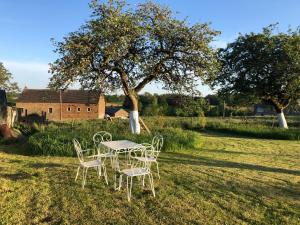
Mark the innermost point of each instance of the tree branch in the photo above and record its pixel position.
(143, 83)
(124, 79)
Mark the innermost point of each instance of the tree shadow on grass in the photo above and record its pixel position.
(44, 165)
(15, 149)
(16, 176)
(243, 153)
(176, 158)
(248, 195)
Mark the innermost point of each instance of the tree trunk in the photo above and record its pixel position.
(134, 114)
(281, 120)
(279, 107)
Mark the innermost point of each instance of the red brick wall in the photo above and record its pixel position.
(101, 107)
(121, 113)
(62, 113)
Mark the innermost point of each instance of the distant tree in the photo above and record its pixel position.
(149, 104)
(213, 99)
(114, 98)
(120, 48)
(262, 66)
(9, 87)
(189, 106)
(6, 82)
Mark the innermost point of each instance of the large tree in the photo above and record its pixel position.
(262, 67)
(121, 48)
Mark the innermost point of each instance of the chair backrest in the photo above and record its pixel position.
(157, 142)
(78, 150)
(142, 151)
(100, 137)
(138, 151)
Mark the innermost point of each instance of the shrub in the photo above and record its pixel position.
(56, 139)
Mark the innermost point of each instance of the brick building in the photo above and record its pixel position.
(116, 112)
(61, 105)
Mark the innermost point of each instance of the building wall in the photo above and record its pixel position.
(40, 108)
(101, 107)
(68, 111)
(121, 113)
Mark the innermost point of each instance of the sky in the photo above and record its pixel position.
(27, 26)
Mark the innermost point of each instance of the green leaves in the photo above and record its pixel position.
(121, 48)
(6, 82)
(262, 66)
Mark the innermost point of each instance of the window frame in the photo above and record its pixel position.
(50, 110)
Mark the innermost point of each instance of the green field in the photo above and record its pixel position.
(225, 180)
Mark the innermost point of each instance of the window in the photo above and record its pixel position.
(78, 109)
(88, 109)
(50, 110)
(69, 109)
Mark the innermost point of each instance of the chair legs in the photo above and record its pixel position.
(105, 174)
(129, 184)
(84, 177)
(157, 169)
(151, 184)
(129, 188)
(84, 174)
(143, 181)
(120, 182)
(78, 169)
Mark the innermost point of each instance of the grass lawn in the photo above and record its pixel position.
(228, 180)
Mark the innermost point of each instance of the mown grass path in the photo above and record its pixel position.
(228, 180)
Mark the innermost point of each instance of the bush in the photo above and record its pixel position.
(57, 139)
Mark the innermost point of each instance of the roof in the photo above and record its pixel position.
(52, 96)
(113, 110)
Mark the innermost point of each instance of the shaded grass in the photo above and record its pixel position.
(229, 180)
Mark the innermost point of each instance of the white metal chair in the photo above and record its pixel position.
(137, 169)
(99, 137)
(96, 163)
(152, 151)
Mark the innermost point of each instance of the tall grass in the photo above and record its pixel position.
(179, 132)
(56, 139)
(258, 127)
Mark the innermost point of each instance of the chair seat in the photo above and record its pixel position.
(102, 155)
(145, 159)
(139, 171)
(92, 163)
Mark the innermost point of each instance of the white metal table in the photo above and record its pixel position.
(121, 145)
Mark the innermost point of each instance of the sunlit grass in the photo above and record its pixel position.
(228, 180)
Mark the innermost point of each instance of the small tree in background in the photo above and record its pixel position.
(8, 86)
(6, 80)
(263, 66)
(120, 48)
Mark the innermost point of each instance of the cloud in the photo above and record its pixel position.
(30, 74)
(219, 44)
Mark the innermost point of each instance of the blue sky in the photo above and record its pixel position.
(27, 26)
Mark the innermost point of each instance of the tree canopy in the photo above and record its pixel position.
(6, 82)
(262, 66)
(121, 48)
